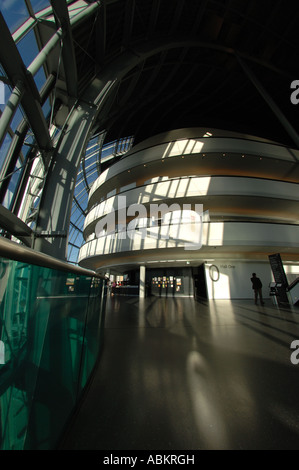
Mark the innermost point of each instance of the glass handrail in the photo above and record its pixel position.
(51, 331)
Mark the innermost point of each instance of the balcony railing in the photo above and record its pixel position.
(51, 317)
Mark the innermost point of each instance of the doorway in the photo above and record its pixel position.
(200, 283)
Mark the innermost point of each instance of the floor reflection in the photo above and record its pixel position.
(178, 374)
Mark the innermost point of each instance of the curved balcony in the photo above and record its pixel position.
(223, 196)
(247, 185)
(189, 241)
(221, 156)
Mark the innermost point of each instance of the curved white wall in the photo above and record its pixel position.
(272, 199)
(198, 154)
(248, 189)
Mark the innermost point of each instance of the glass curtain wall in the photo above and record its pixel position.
(22, 166)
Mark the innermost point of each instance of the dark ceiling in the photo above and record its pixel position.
(188, 72)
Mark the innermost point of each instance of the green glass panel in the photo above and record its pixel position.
(50, 338)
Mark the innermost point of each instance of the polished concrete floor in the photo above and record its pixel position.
(176, 374)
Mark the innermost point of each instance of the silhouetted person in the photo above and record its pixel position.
(113, 288)
(257, 287)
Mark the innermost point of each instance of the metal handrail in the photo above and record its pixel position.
(293, 284)
(15, 251)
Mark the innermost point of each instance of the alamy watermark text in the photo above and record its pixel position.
(158, 221)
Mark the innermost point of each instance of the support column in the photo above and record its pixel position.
(142, 282)
(56, 202)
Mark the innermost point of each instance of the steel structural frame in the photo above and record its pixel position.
(55, 207)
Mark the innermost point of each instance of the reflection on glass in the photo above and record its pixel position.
(28, 48)
(14, 13)
(39, 5)
(50, 332)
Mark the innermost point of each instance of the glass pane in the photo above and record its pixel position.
(47, 108)
(18, 117)
(73, 254)
(40, 78)
(4, 92)
(14, 12)
(28, 48)
(50, 336)
(39, 5)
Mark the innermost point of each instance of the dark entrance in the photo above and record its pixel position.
(200, 283)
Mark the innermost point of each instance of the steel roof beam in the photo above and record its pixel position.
(131, 59)
(129, 20)
(177, 15)
(173, 102)
(164, 86)
(199, 16)
(101, 34)
(68, 53)
(51, 44)
(25, 91)
(154, 16)
(17, 143)
(132, 85)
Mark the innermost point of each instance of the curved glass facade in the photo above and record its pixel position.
(25, 162)
(91, 163)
